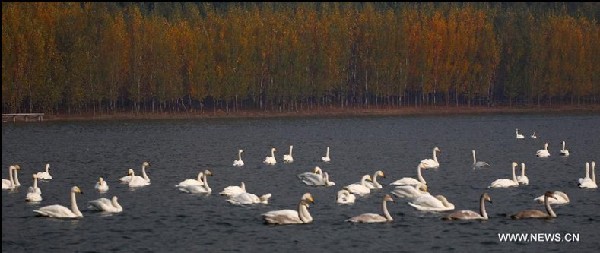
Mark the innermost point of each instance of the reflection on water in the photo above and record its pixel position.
(161, 218)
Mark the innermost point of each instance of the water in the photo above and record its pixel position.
(159, 218)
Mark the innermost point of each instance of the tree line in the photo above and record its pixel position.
(163, 57)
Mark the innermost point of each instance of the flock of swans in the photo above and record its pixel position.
(414, 190)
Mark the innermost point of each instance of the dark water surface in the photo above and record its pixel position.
(159, 218)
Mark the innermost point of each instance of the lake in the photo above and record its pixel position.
(160, 218)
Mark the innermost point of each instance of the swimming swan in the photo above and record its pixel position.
(245, 198)
(233, 190)
(432, 163)
(410, 180)
(522, 179)
(537, 213)
(519, 136)
(564, 151)
(590, 183)
(374, 184)
(106, 205)
(410, 191)
(299, 216)
(471, 215)
(360, 188)
(543, 152)
(203, 189)
(239, 162)
(429, 203)
(326, 157)
(192, 181)
(126, 179)
(560, 198)
(345, 197)
(59, 211)
(479, 164)
(288, 158)
(314, 177)
(9, 184)
(270, 160)
(45, 174)
(373, 217)
(533, 136)
(504, 183)
(101, 185)
(34, 193)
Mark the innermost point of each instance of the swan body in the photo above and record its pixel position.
(533, 136)
(34, 193)
(106, 205)
(543, 152)
(126, 179)
(504, 183)
(101, 185)
(9, 184)
(314, 177)
(245, 198)
(560, 198)
(430, 203)
(45, 175)
(373, 217)
(198, 189)
(431, 163)
(537, 213)
(522, 179)
(326, 157)
(345, 197)
(410, 191)
(288, 158)
(360, 189)
(59, 211)
(298, 216)
(193, 181)
(518, 135)
(479, 164)
(590, 183)
(233, 190)
(270, 160)
(239, 162)
(412, 181)
(374, 184)
(564, 151)
(471, 215)
(138, 181)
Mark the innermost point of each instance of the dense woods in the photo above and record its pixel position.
(169, 57)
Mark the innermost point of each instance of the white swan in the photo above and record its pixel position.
(245, 198)
(34, 193)
(127, 178)
(106, 205)
(564, 151)
(374, 184)
(519, 136)
(373, 217)
(314, 177)
(59, 211)
(410, 191)
(137, 181)
(101, 185)
(326, 157)
(543, 152)
(522, 179)
(288, 158)
(9, 184)
(560, 198)
(533, 136)
(537, 213)
(270, 160)
(192, 181)
(591, 184)
(429, 203)
(410, 180)
(239, 162)
(345, 197)
(471, 215)
(45, 174)
(479, 164)
(203, 189)
(233, 190)
(360, 188)
(504, 183)
(432, 163)
(298, 216)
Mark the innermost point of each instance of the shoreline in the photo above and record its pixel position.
(332, 112)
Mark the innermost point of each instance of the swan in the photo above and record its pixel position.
(522, 179)
(430, 203)
(560, 198)
(533, 136)
(537, 213)
(360, 188)
(374, 184)
(373, 217)
(106, 205)
(479, 164)
(144, 175)
(101, 185)
(410, 191)
(239, 162)
(198, 188)
(326, 157)
(245, 198)
(312, 178)
(432, 163)
(127, 178)
(233, 190)
(564, 151)
(299, 216)
(410, 180)
(192, 181)
(472, 215)
(344, 197)
(504, 183)
(137, 181)
(543, 152)
(270, 160)
(9, 183)
(45, 174)
(34, 193)
(590, 183)
(288, 158)
(59, 211)
(519, 136)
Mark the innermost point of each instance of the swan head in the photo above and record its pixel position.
(16, 167)
(145, 164)
(35, 176)
(515, 164)
(436, 149)
(380, 173)
(317, 170)
(114, 198)
(130, 172)
(366, 177)
(243, 186)
(208, 173)
(100, 180)
(47, 165)
(546, 145)
(307, 198)
(273, 149)
(486, 197)
(76, 189)
(523, 165)
(388, 197)
(241, 151)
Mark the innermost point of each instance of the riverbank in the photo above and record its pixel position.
(333, 112)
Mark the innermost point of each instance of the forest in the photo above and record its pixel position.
(71, 58)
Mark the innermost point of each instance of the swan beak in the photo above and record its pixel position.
(311, 200)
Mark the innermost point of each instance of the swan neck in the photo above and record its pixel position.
(35, 183)
(563, 145)
(474, 160)
(522, 170)
(327, 154)
(200, 175)
(47, 168)
(291, 150)
(419, 176)
(272, 153)
(16, 180)
(587, 170)
(74, 207)
(482, 208)
(593, 173)
(10, 176)
(435, 156)
(205, 181)
(386, 212)
(144, 172)
(548, 207)
(240, 156)
(116, 204)
(374, 179)
(514, 175)
(303, 213)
